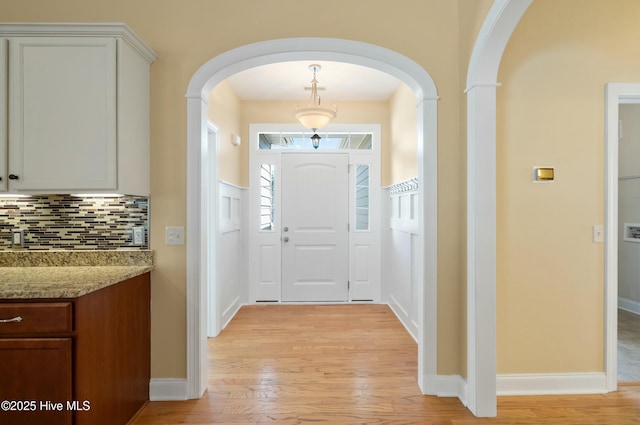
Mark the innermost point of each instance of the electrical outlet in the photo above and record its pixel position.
(138, 235)
(174, 235)
(17, 237)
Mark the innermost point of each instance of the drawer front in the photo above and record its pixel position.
(36, 318)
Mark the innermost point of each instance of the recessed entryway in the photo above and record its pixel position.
(200, 221)
(315, 220)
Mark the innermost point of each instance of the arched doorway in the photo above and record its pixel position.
(201, 200)
(482, 82)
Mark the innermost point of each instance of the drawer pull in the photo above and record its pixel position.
(15, 319)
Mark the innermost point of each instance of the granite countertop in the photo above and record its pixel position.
(67, 274)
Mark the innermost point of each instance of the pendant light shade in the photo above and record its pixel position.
(314, 115)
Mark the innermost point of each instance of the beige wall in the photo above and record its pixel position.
(403, 152)
(186, 34)
(551, 112)
(224, 113)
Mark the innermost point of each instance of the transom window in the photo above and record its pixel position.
(328, 141)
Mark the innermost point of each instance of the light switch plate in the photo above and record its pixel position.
(598, 233)
(174, 235)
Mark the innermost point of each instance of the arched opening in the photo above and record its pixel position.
(501, 21)
(201, 199)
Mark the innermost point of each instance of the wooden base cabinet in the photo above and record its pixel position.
(79, 361)
(112, 352)
(36, 377)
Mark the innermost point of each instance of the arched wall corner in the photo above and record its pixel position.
(221, 67)
(501, 21)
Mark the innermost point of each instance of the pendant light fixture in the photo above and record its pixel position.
(315, 116)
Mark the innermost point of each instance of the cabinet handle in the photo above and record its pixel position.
(15, 319)
(13, 177)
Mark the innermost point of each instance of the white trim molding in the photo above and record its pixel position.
(453, 386)
(69, 29)
(501, 21)
(167, 389)
(615, 94)
(552, 383)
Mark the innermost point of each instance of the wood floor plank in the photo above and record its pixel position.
(348, 364)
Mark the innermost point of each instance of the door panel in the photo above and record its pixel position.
(315, 195)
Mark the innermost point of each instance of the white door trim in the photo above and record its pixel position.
(265, 290)
(210, 193)
(221, 67)
(615, 94)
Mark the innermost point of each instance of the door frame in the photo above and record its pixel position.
(371, 157)
(200, 229)
(615, 94)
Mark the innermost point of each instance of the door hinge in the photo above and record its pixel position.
(348, 284)
(348, 227)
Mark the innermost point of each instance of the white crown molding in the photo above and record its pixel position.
(100, 29)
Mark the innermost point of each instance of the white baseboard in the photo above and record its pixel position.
(403, 316)
(167, 389)
(230, 312)
(629, 305)
(452, 386)
(557, 383)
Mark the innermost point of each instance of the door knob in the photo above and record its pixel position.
(285, 229)
(285, 239)
(13, 177)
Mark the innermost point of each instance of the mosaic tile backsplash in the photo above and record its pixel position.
(64, 222)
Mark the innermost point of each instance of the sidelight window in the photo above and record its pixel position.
(267, 197)
(362, 197)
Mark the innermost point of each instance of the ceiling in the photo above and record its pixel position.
(337, 81)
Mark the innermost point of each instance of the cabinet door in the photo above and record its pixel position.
(35, 371)
(3, 114)
(62, 113)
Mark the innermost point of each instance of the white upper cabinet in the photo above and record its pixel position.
(78, 109)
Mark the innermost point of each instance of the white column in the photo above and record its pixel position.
(196, 248)
(428, 245)
(481, 250)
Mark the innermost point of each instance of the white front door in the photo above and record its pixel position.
(314, 232)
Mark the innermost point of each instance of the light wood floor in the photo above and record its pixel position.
(348, 364)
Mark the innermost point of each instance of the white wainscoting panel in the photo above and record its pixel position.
(400, 286)
(231, 273)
